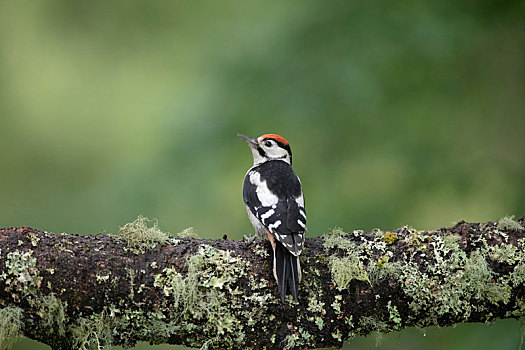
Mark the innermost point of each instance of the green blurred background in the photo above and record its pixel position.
(397, 112)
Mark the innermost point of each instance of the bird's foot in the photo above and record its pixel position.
(249, 239)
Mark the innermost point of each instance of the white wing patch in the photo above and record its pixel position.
(274, 225)
(301, 211)
(301, 224)
(266, 197)
(267, 214)
(300, 200)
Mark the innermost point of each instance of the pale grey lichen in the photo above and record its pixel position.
(437, 278)
(346, 269)
(393, 313)
(508, 223)
(480, 280)
(445, 280)
(91, 333)
(201, 293)
(350, 266)
(188, 233)
(315, 306)
(22, 273)
(10, 326)
(142, 234)
(291, 341)
(336, 305)
(51, 312)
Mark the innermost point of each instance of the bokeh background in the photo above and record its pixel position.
(407, 112)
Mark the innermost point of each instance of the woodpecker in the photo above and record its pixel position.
(274, 201)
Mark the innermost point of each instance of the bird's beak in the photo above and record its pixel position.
(250, 141)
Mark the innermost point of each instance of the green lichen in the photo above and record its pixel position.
(338, 239)
(23, 281)
(172, 283)
(299, 338)
(188, 233)
(336, 305)
(200, 265)
(441, 289)
(350, 266)
(345, 270)
(370, 323)
(10, 326)
(390, 237)
(438, 277)
(384, 270)
(450, 279)
(52, 314)
(508, 223)
(519, 311)
(337, 335)
(260, 249)
(306, 337)
(450, 242)
(504, 253)
(199, 298)
(201, 294)
(146, 325)
(393, 313)
(22, 274)
(102, 278)
(479, 279)
(33, 238)
(518, 275)
(413, 237)
(92, 333)
(319, 323)
(142, 234)
(431, 292)
(291, 341)
(374, 326)
(315, 306)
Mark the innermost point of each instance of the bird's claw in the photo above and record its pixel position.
(249, 239)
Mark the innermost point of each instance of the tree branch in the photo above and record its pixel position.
(72, 291)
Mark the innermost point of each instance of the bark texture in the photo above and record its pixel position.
(83, 291)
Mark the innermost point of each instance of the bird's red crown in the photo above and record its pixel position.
(275, 137)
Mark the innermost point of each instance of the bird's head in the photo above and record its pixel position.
(268, 147)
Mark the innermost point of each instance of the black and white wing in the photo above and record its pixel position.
(273, 194)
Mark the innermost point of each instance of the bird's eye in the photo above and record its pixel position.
(268, 143)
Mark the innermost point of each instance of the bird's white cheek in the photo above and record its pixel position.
(257, 158)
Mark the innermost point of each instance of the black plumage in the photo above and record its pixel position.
(272, 193)
(281, 182)
(286, 269)
(280, 178)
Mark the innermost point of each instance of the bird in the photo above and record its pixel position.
(273, 196)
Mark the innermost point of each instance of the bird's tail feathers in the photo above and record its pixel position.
(287, 271)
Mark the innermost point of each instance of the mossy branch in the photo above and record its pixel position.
(83, 292)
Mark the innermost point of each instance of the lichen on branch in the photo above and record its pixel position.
(89, 292)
